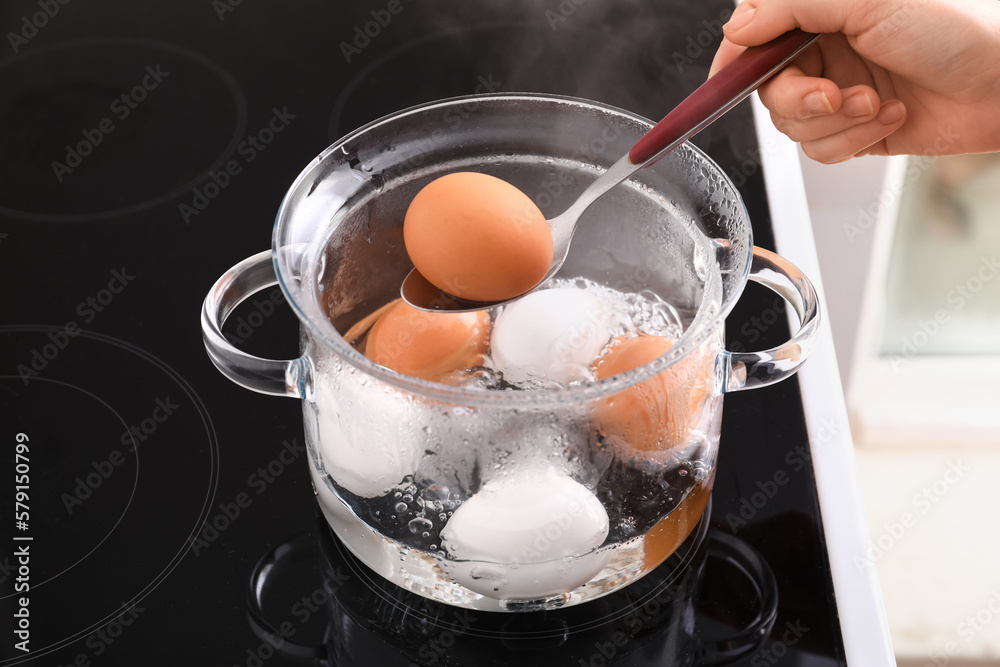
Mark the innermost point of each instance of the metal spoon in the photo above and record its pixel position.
(731, 85)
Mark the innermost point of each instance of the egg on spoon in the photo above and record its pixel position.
(477, 237)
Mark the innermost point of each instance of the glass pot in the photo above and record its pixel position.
(579, 490)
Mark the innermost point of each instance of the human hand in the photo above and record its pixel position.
(893, 76)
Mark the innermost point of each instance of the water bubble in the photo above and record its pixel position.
(407, 498)
(400, 507)
(420, 525)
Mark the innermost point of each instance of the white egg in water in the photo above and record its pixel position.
(527, 537)
(554, 334)
(361, 539)
(369, 457)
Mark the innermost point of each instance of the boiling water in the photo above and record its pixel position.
(390, 470)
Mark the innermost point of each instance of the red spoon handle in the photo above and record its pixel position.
(728, 87)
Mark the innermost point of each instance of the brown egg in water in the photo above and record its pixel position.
(670, 532)
(477, 237)
(430, 346)
(656, 414)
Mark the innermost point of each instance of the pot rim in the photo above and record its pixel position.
(320, 328)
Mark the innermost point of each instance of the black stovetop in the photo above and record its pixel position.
(144, 149)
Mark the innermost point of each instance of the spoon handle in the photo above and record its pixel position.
(719, 94)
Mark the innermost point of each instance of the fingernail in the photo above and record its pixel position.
(741, 20)
(858, 106)
(891, 113)
(817, 102)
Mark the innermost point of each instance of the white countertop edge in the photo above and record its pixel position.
(855, 579)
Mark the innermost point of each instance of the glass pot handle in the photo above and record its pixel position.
(268, 376)
(748, 370)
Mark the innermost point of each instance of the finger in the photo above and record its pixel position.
(792, 95)
(726, 54)
(854, 106)
(757, 21)
(867, 138)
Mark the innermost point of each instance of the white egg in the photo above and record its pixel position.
(368, 457)
(527, 537)
(363, 542)
(555, 334)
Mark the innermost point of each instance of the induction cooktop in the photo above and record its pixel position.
(154, 512)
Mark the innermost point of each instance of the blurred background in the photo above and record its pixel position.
(909, 250)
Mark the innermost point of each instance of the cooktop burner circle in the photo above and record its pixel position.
(98, 118)
(102, 537)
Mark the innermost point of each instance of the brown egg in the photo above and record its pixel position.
(671, 531)
(658, 413)
(426, 345)
(477, 237)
